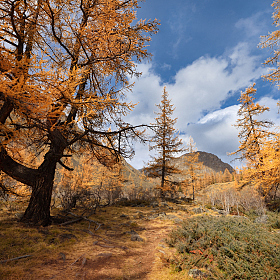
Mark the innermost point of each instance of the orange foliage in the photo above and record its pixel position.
(64, 68)
(272, 41)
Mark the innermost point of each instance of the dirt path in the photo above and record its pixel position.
(128, 250)
(135, 262)
(129, 244)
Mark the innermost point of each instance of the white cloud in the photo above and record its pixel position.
(206, 83)
(273, 113)
(254, 25)
(146, 93)
(216, 133)
(198, 92)
(220, 115)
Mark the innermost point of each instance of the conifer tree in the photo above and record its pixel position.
(166, 143)
(253, 133)
(227, 177)
(272, 41)
(254, 137)
(64, 68)
(193, 167)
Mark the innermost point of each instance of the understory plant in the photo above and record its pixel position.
(226, 248)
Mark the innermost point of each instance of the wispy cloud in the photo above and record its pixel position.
(254, 26)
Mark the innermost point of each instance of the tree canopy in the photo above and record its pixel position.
(64, 68)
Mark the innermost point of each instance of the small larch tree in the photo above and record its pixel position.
(166, 143)
(64, 69)
(194, 167)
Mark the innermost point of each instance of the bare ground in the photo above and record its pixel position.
(108, 253)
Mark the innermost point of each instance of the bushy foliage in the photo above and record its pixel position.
(227, 248)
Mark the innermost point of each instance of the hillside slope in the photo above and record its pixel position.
(211, 163)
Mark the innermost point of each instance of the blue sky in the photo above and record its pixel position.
(205, 53)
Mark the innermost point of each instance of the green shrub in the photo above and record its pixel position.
(227, 248)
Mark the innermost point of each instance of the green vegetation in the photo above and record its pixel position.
(227, 247)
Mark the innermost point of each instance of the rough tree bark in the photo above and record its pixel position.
(40, 180)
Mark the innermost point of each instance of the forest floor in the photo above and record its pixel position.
(129, 244)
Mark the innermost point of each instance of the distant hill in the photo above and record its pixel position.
(210, 164)
(209, 161)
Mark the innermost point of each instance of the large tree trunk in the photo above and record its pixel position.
(38, 210)
(40, 180)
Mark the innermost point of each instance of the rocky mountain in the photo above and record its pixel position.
(211, 163)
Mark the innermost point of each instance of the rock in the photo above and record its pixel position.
(62, 255)
(152, 217)
(154, 204)
(195, 273)
(19, 215)
(262, 219)
(139, 215)
(164, 204)
(123, 216)
(198, 210)
(174, 219)
(136, 237)
(105, 255)
(162, 215)
(221, 212)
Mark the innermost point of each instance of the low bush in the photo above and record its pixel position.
(226, 248)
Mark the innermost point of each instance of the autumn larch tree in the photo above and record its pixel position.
(227, 177)
(271, 168)
(272, 41)
(193, 167)
(166, 143)
(64, 68)
(253, 133)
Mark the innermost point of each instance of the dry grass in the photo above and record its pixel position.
(70, 252)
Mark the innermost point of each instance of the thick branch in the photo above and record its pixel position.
(5, 111)
(16, 170)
